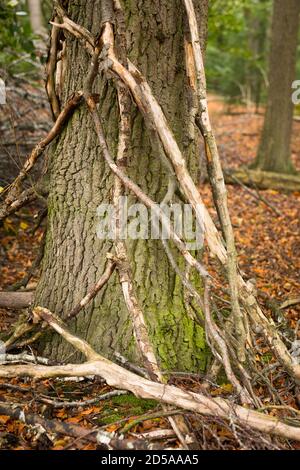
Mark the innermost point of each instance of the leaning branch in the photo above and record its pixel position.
(153, 113)
(139, 193)
(123, 264)
(109, 270)
(16, 300)
(217, 183)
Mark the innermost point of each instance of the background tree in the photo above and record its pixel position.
(274, 153)
(79, 181)
(36, 17)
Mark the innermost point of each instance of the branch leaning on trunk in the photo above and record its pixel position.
(17, 300)
(153, 113)
(217, 183)
(12, 192)
(50, 72)
(123, 265)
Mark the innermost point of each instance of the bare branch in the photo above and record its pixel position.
(217, 183)
(111, 265)
(50, 72)
(53, 426)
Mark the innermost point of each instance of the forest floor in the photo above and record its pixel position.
(268, 243)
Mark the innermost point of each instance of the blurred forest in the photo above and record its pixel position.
(236, 57)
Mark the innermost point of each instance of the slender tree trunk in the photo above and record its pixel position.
(36, 17)
(274, 152)
(80, 181)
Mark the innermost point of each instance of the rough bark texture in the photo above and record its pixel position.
(80, 181)
(274, 153)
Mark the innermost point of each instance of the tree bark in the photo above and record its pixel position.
(274, 153)
(16, 300)
(80, 181)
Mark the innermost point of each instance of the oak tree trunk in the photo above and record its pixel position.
(274, 152)
(80, 181)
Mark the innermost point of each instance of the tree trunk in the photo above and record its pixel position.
(36, 17)
(80, 181)
(274, 152)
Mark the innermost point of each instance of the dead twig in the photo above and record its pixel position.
(46, 425)
(73, 404)
(111, 265)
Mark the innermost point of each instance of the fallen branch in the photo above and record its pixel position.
(140, 419)
(46, 425)
(157, 435)
(118, 377)
(113, 442)
(130, 366)
(23, 357)
(265, 179)
(290, 303)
